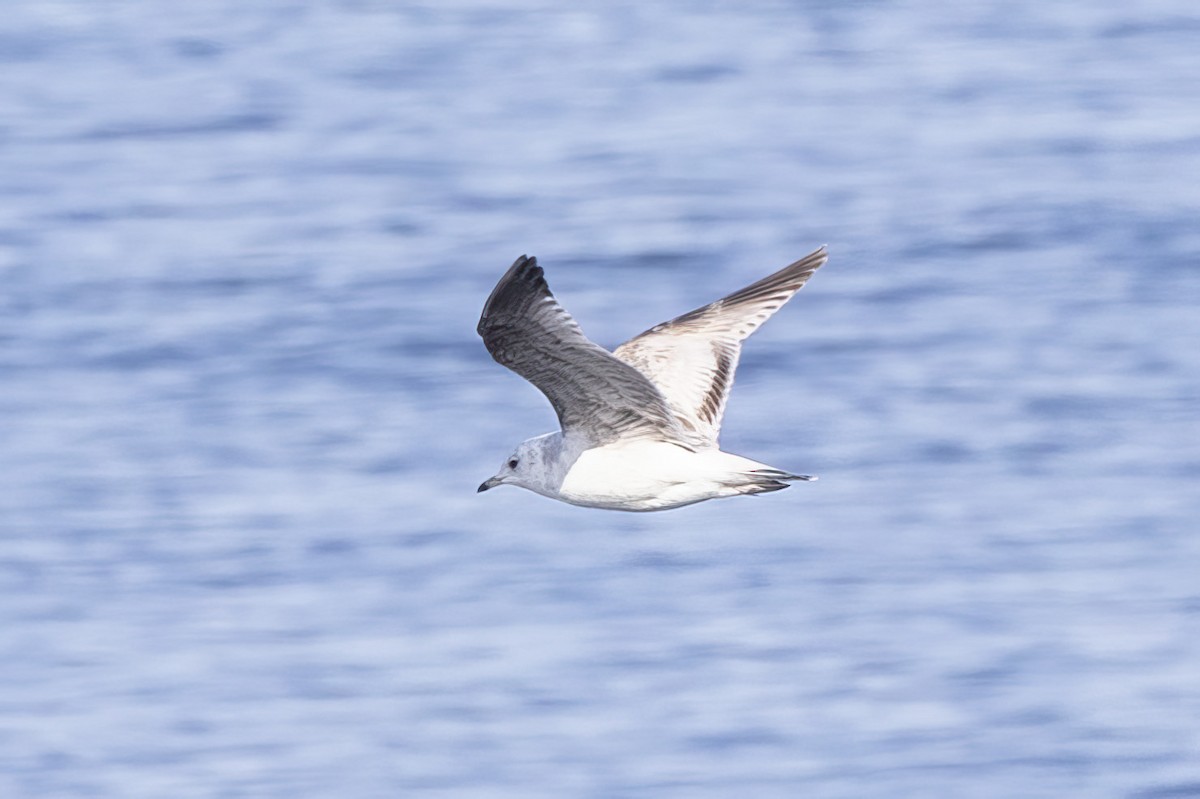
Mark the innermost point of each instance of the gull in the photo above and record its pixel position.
(639, 424)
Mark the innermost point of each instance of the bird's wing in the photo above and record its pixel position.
(693, 357)
(594, 394)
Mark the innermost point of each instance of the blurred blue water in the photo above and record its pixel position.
(243, 409)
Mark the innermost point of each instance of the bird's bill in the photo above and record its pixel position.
(491, 482)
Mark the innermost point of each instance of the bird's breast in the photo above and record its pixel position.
(636, 476)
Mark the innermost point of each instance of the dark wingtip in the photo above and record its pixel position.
(524, 268)
(525, 262)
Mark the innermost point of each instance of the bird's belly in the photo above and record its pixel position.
(637, 478)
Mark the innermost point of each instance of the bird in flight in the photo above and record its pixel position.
(639, 424)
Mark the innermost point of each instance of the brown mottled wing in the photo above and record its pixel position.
(593, 393)
(693, 357)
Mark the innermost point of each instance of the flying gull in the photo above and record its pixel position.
(640, 423)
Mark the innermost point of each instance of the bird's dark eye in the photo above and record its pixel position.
(512, 463)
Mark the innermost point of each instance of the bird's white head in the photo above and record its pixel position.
(533, 465)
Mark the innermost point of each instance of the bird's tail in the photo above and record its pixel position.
(762, 481)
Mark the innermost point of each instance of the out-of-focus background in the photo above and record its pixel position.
(243, 409)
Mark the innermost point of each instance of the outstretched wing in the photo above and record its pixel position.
(693, 357)
(593, 393)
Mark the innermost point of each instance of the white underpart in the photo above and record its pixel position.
(647, 475)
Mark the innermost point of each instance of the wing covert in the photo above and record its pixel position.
(693, 357)
(593, 393)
